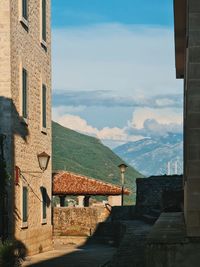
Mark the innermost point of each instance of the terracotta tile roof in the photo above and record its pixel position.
(68, 183)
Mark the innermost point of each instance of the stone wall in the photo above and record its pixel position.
(5, 88)
(167, 245)
(20, 46)
(152, 194)
(192, 119)
(78, 221)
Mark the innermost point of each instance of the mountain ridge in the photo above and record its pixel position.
(86, 155)
(154, 155)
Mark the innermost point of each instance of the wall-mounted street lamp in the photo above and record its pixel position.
(43, 160)
(122, 168)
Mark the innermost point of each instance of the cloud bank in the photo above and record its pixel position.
(115, 66)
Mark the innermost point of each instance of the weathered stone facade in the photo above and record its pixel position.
(21, 47)
(78, 221)
(155, 194)
(187, 45)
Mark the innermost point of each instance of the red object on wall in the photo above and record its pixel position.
(17, 175)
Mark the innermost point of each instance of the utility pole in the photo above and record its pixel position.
(168, 168)
(176, 167)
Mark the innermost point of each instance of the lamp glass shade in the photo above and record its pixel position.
(122, 167)
(43, 160)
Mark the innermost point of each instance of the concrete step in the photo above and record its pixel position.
(149, 218)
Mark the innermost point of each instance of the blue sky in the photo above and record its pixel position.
(85, 12)
(114, 70)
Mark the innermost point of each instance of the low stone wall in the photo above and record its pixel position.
(159, 193)
(168, 246)
(76, 221)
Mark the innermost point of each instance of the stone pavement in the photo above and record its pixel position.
(131, 252)
(93, 255)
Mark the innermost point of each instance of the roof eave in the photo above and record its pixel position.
(180, 7)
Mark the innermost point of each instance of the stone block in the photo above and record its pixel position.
(194, 6)
(193, 121)
(193, 87)
(193, 219)
(193, 152)
(193, 169)
(193, 137)
(194, 71)
(194, 38)
(194, 22)
(194, 54)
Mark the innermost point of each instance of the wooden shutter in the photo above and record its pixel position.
(44, 203)
(44, 21)
(25, 204)
(44, 106)
(24, 93)
(25, 9)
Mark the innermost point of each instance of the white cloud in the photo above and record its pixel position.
(131, 60)
(59, 111)
(76, 123)
(163, 116)
(145, 123)
(133, 64)
(150, 122)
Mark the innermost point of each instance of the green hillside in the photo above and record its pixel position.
(86, 155)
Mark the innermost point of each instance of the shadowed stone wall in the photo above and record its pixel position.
(192, 120)
(152, 194)
(20, 47)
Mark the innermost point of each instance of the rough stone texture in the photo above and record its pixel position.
(152, 194)
(168, 244)
(21, 47)
(78, 221)
(192, 121)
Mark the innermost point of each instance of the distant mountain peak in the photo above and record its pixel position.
(157, 155)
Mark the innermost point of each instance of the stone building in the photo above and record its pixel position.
(187, 49)
(25, 120)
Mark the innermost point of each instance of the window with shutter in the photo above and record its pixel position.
(44, 106)
(44, 20)
(24, 93)
(25, 9)
(44, 203)
(25, 204)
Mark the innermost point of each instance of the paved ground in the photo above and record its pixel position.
(131, 252)
(69, 256)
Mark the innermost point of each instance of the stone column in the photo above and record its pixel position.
(115, 200)
(86, 201)
(192, 122)
(80, 201)
(62, 201)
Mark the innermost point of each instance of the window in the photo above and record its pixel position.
(44, 204)
(24, 204)
(24, 93)
(25, 9)
(44, 21)
(44, 106)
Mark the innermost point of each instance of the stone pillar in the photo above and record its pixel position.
(192, 122)
(80, 201)
(62, 201)
(86, 201)
(115, 200)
